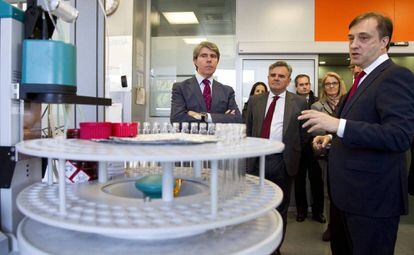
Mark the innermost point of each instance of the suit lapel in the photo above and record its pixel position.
(364, 86)
(288, 113)
(261, 112)
(215, 96)
(196, 91)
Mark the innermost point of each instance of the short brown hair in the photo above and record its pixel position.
(301, 76)
(281, 63)
(384, 24)
(208, 45)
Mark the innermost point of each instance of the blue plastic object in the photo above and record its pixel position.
(9, 11)
(150, 185)
(47, 62)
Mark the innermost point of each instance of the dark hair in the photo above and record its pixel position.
(281, 63)
(257, 84)
(384, 24)
(301, 76)
(208, 45)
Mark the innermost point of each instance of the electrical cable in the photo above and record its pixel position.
(51, 18)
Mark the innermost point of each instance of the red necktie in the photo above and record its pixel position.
(268, 119)
(207, 94)
(355, 85)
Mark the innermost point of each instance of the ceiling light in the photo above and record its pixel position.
(195, 40)
(322, 62)
(181, 17)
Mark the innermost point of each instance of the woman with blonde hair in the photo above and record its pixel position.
(333, 89)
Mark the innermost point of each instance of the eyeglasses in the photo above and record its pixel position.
(331, 84)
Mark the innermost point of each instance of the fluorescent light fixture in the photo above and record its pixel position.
(322, 62)
(195, 40)
(181, 17)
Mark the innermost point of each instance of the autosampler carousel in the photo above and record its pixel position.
(219, 209)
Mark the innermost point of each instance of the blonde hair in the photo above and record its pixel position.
(208, 45)
(342, 87)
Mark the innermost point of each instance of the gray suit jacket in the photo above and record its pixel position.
(293, 134)
(187, 96)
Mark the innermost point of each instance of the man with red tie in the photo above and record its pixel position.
(273, 115)
(201, 98)
(367, 162)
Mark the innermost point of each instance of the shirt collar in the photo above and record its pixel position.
(281, 95)
(201, 78)
(381, 59)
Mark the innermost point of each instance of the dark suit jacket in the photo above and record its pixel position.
(187, 96)
(293, 133)
(367, 167)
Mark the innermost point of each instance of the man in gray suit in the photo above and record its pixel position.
(195, 100)
(273, 115)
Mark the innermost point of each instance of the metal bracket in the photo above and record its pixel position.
(14, 91)
(8, 159)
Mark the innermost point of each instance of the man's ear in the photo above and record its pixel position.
(196, 67)
(385, 40)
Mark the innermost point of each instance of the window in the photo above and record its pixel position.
(172, 45)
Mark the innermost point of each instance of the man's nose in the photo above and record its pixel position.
(353, 44)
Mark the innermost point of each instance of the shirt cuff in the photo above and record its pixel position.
(341, 127)
(209, 119)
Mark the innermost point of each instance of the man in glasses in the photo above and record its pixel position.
(374, 129)
(355, 70)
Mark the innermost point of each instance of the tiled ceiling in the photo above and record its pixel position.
(216, 17)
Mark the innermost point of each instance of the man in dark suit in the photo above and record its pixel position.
(273, 115)
(367, 163)
(308, 166)
(201, 98)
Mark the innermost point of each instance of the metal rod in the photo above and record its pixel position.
(167, 181)
(197, 169)
(49, 171)
(213, 188)
(262, 171)
(62, 187)
(102, 172)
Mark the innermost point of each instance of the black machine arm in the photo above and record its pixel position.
(38, 24)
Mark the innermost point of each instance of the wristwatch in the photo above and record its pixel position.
(204, 116)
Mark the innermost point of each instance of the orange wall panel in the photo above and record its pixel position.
(333, 17)
(404, 20)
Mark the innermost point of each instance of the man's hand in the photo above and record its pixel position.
(319, 120)
(233, 112)
(195, 115)
(320, 142)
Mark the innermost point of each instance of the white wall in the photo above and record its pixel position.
(119, 56)
(274, 20)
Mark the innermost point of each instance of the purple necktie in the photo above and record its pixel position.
(268, 119)
(355, 85)
(207, 94)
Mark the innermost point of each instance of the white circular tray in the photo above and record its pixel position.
(76, 149)
(89, 209)
(259, 236)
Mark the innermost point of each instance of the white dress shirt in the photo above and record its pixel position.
(200, 80)
(381, 59)
(276, 127)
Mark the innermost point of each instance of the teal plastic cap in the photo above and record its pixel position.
(150, 185)
(9, 11)
(48, 62)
